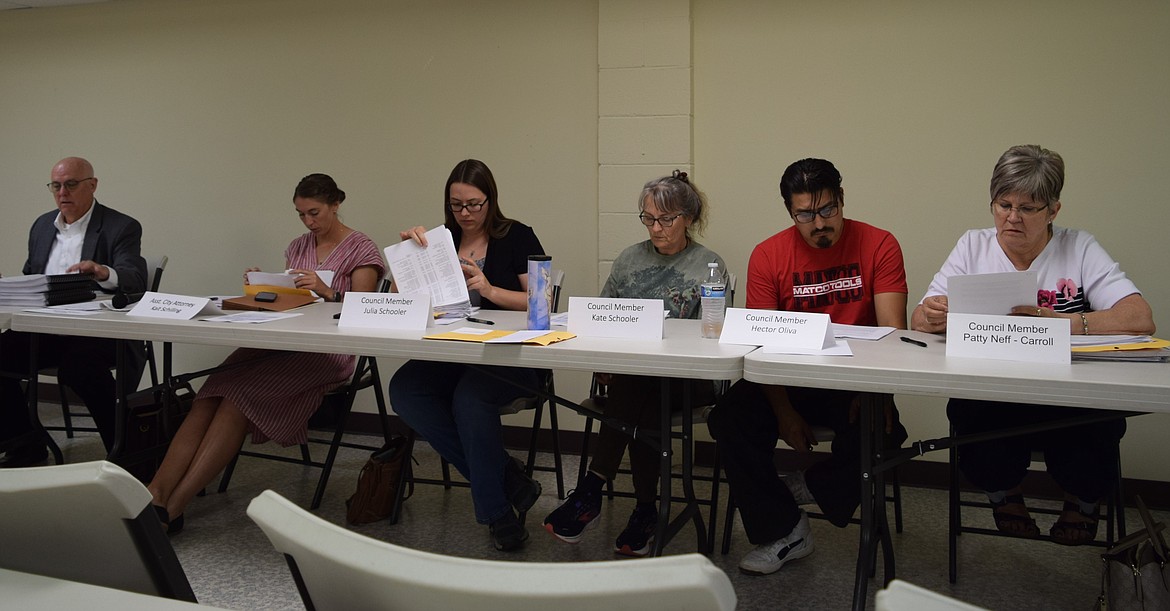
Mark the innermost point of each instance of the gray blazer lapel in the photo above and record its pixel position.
(93, 232)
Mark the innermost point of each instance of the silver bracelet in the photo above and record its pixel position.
(1084, 324)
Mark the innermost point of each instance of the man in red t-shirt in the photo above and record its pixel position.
(854, 273)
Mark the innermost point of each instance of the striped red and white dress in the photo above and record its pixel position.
(279, 393)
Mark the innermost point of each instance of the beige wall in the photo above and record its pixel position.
(201, 116)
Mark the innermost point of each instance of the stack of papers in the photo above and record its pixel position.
(489, 336)
(40, 290)
(434, 269)
(1138, 348)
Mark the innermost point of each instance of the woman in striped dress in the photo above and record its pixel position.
(273, 397)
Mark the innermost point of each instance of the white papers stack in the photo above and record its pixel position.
(40, 290)
(434, 269)
(1131, 348)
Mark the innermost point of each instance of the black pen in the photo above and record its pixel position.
(488, 322)
(910, 340)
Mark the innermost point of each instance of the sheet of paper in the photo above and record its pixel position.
(517, 337)
(85, 306)
(251, 318)
(860, 332)
(434, 268)
(559, 320)
(840, 348)
(993, 294)
(60, 311)
(1107, 340)
(286, 279)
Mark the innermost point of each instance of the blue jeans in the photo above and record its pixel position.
(457, 409)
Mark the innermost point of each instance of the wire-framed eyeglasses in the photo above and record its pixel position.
(807, 216)
(663, 221)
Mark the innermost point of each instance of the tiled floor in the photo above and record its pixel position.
(230, 564)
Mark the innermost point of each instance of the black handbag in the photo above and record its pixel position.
(1135, 575)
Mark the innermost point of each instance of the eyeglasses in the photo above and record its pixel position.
(457, 207)
(68, 184)
(808, 216)
(1004, 209)
(663, 221)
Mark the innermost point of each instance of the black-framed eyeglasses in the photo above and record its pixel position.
(664, 221)
(457, 207)
(1004, 209)
(68, 184)
(825, 212)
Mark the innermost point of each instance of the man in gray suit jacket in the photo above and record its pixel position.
(85, 237)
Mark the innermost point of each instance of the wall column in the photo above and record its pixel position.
(644, 123)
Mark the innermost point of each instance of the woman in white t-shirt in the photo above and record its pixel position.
(1079, 281)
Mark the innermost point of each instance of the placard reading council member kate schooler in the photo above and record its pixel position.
(1009, 338)
(409, 311)
(624, 318)
(806, 330)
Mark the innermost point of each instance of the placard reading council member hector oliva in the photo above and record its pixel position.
(1009, 338)
(624, 318)
(777, 328)
(409, 311)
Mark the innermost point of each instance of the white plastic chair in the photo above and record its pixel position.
(338, 569)
(88, 522)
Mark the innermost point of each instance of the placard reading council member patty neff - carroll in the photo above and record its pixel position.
(624, 318)
(777, 328)
(1009, 338)
(408, 311)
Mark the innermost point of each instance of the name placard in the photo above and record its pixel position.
(624, 318)
(409, 311)
(1009, 338)
(806, 330)
(167, 305)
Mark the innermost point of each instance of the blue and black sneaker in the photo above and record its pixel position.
(635, 540)
(580, 510)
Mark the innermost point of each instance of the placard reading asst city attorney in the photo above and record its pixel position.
(623, 318)
(1009, 338)
(409, 311)
(167, 305)
(777, 328)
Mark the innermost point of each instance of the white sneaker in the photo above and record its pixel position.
(769, 557)
(799, 489)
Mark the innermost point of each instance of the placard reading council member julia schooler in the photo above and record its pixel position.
(806, 330)
(1009, 338)
(624, 318)
(409, 311)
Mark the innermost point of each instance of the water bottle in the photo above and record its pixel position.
(713, 293)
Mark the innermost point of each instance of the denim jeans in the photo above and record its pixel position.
(457, 409)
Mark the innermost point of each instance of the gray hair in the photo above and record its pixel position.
(675, 194)
(1031, 170)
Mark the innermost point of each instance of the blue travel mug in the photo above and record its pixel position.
(539, 291)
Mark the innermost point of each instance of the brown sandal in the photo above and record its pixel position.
(1075, 533)
(1011, 524)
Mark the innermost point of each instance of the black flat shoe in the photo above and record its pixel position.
(172, 525)
(25, 456)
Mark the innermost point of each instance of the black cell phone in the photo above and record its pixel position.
(266, 296)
